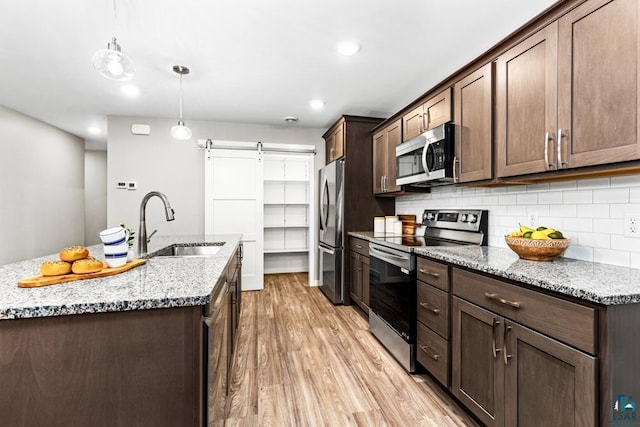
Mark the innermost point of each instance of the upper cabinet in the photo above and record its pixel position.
(434, 112)
(334, 143)
(473, 107)
(384, 158)
(568, 95)
(598, 83)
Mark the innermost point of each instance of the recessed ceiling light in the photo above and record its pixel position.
(129, 90)
(291, 120)
(316, 104)
(348, 48)
(94, 130)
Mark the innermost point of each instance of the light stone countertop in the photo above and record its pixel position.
(590, 281)
(162, 282)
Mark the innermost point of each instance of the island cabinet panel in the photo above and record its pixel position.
(599, 84)
(134, 368)
(526, 105)
(473, 116)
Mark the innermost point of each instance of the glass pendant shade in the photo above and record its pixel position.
(180, 131)
(112, 63)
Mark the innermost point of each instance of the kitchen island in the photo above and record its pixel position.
(123, 350)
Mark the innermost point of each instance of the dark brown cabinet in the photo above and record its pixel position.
(507, 373)
(567, 95)
(432, 310)
(432, 113)
(334, 143)
(473, 117)
(384, 158)
(359, 272)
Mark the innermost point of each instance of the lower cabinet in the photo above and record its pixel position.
(510, 375)
(359, 273)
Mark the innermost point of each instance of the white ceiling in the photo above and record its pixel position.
(251, 61)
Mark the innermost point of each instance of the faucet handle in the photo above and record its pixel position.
(151, 235)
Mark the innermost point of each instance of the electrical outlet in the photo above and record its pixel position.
(533, 220)
(632, 225)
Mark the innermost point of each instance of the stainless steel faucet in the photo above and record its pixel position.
(142, 232)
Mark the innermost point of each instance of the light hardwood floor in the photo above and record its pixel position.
(303, 362)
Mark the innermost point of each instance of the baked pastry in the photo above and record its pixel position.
(86, 265)
(74, 253)
(55, 268)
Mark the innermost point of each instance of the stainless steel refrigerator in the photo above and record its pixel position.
(331, 232)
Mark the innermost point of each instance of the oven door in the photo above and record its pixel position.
(392, 289)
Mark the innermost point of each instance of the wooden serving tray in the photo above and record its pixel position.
(36, 281)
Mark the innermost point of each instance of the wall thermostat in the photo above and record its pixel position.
(138, 129)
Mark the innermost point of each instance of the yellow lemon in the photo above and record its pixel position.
(548, 231)
(539, 235)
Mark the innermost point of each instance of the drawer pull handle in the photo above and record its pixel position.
(426, 306)
(495, 349)
(359, 246)
(430, 353)
(495, 297)
(430, 273)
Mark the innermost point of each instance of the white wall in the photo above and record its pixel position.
(176, 168)
(95, 185)
(41, 188)
(590, 212)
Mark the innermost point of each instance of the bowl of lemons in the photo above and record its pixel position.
(537, 244)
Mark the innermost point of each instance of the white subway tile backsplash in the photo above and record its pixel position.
(578, 196)
(593, 183)
(551, 197)
(563, 210)
(593, 211)
(589, 212)
(526, 198)
(625, 181)
(611, 195)
(608, 256)
(596, 240)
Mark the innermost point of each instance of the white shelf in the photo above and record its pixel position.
(288, 226)
(286, 204)
(285, 251)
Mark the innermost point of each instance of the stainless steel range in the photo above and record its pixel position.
(392, 275)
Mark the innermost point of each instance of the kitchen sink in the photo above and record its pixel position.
(199, 250)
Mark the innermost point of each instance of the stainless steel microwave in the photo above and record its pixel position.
(427, 159)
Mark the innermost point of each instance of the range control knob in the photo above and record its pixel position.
(472, 218)
(463, 218)
(430, 216)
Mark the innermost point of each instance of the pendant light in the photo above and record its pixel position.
(111, 62)
(180, 131)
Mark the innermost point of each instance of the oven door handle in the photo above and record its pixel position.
(391, 258)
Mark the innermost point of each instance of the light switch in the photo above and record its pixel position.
(131, 185)
(121, 185)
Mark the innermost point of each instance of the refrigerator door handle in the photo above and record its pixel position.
(324, 205)
(327, 250)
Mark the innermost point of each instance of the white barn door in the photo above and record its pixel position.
(234, 203)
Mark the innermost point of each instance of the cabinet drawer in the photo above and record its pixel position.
(566, 321)
(433, 273)
(360, 246)
(433, 309)
(433, 353)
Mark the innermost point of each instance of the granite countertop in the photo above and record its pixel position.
(590, 281)
(162, 282)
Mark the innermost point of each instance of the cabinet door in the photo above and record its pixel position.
(437, 110)
(365, 280)
(355, 284)
(477, 368)
(547, 383)
(379, 161)
(526, 105)
(598, 83)
(412, 123)
(393, 138)
(474, 128)
(339, 141)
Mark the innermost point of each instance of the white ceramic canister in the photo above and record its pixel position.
(389, 221)
(378, 225)
(397, 227)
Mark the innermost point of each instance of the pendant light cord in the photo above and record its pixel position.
(115, 18)
(180, 97)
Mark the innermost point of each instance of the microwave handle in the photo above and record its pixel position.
(424, 159)
(455, 161)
